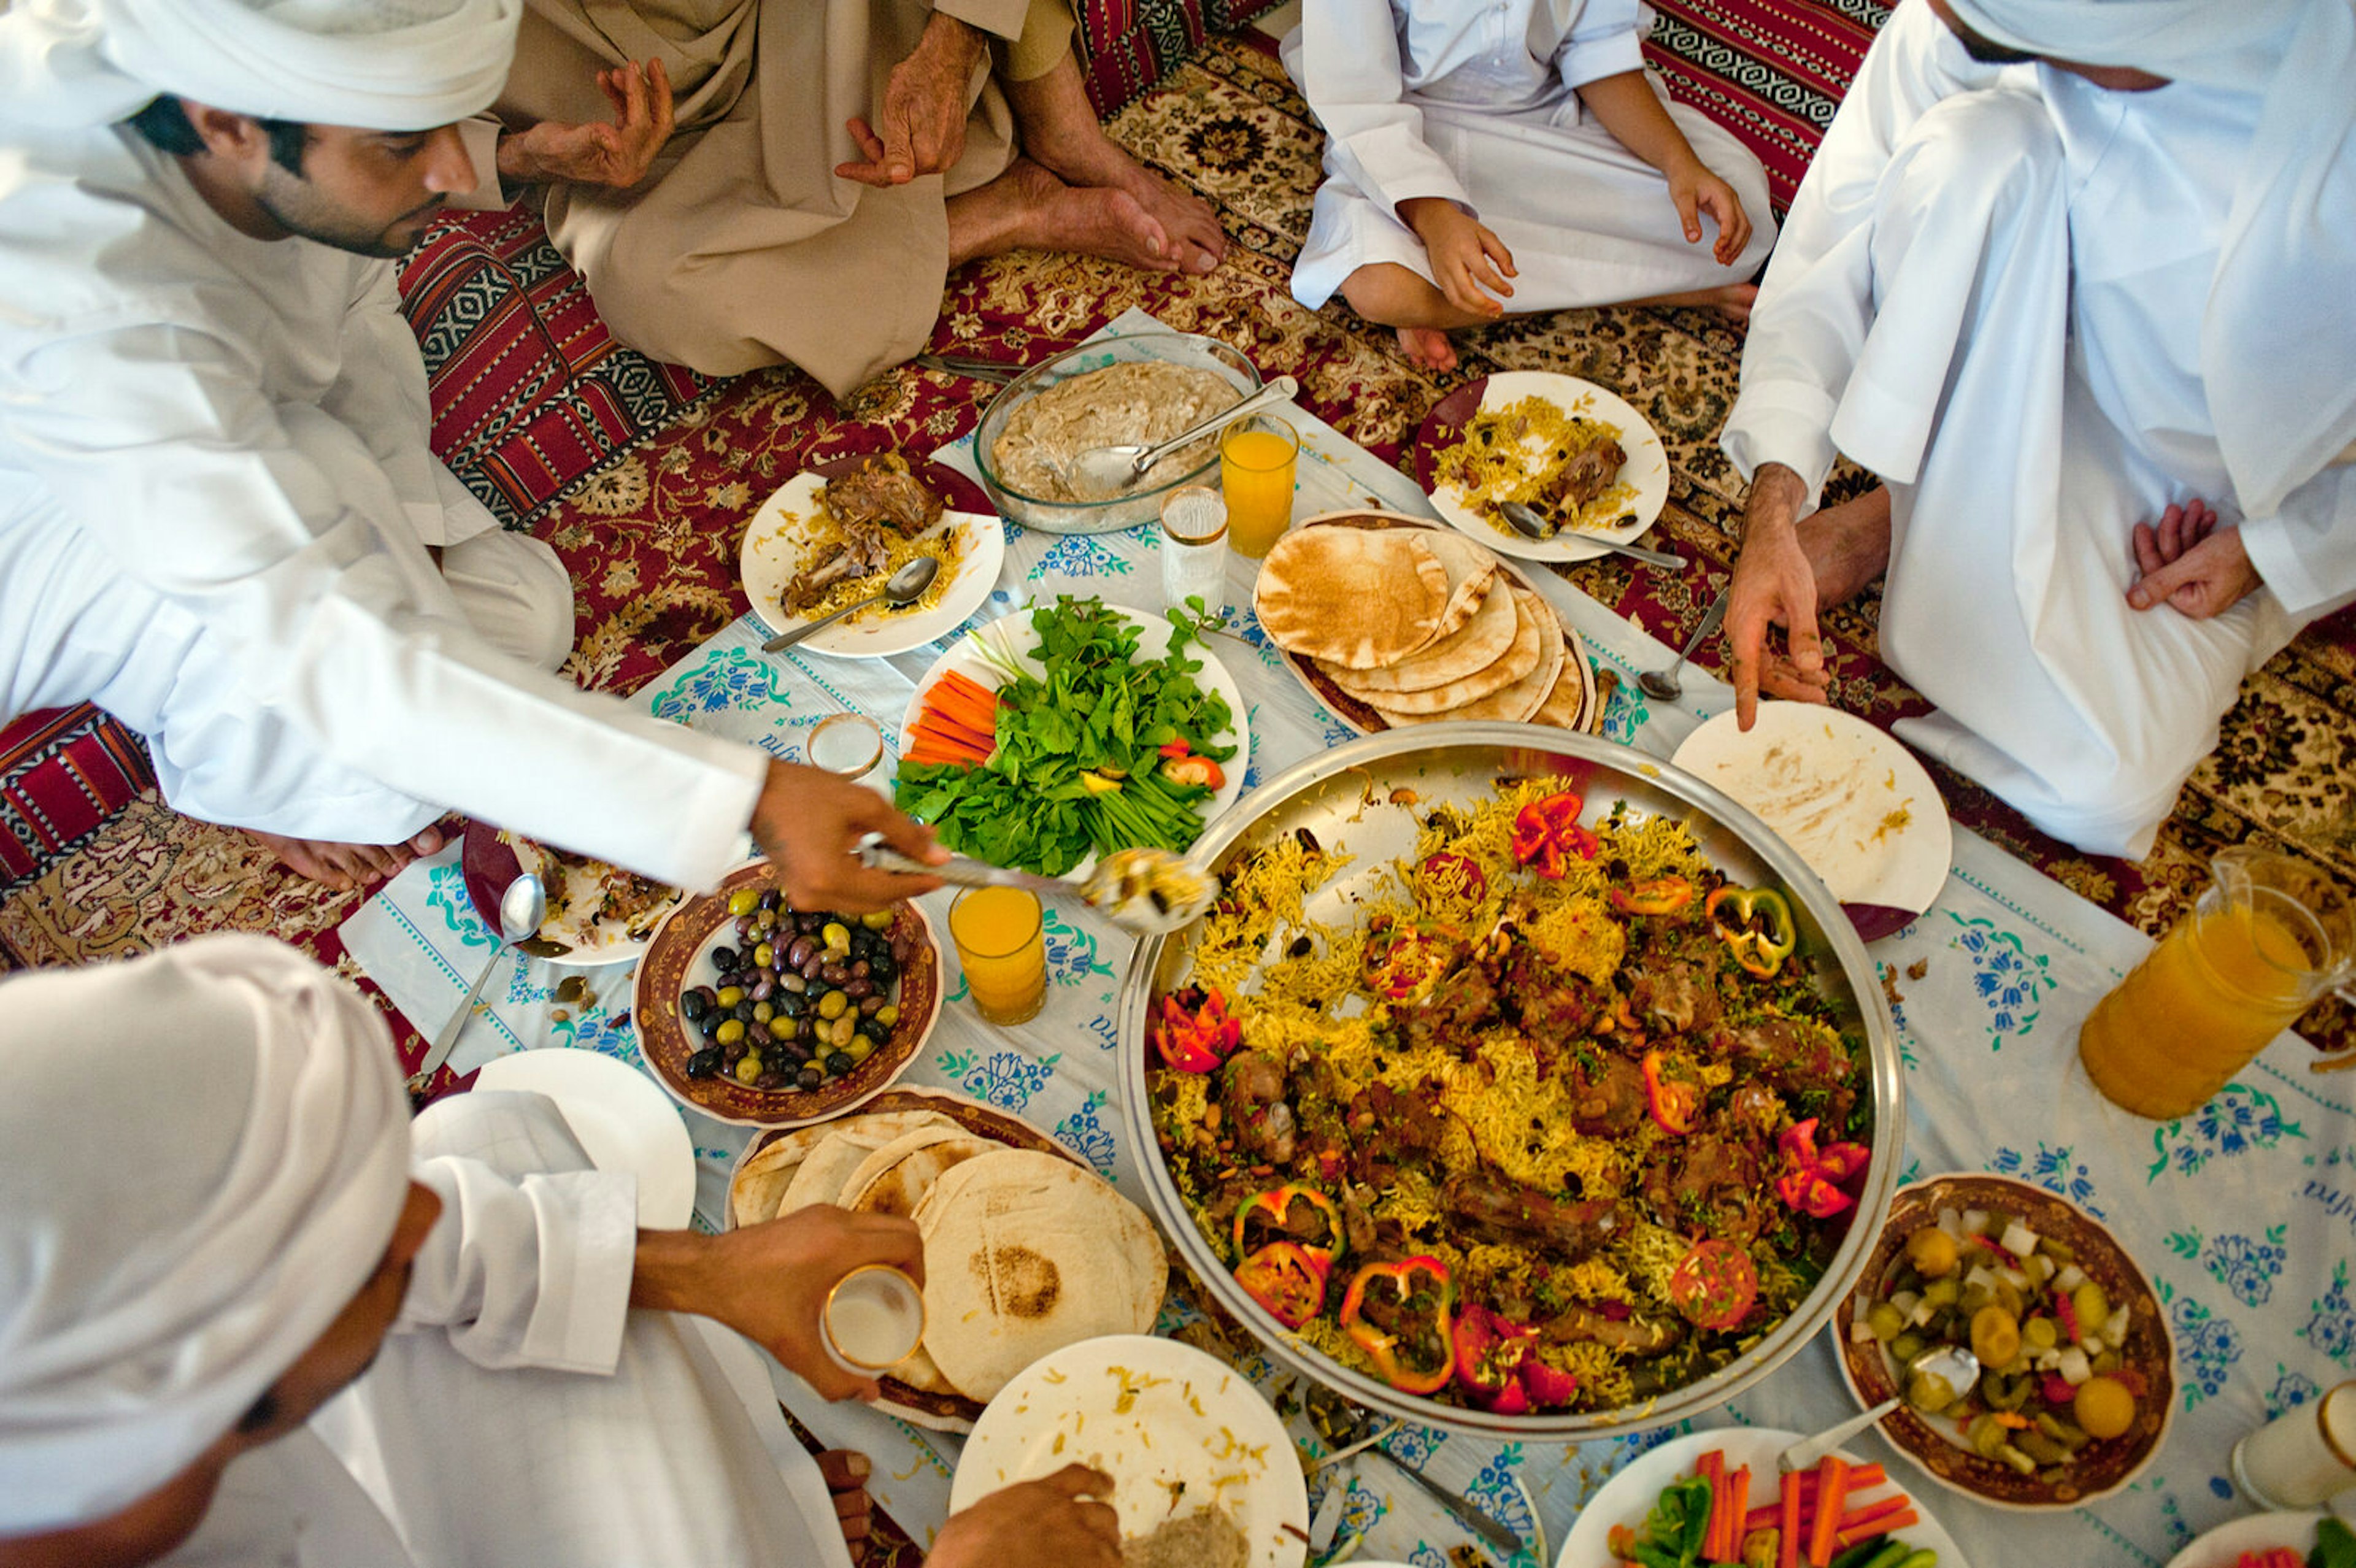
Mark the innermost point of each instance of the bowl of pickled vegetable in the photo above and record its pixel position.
(2077, 1370)
(753, 1011)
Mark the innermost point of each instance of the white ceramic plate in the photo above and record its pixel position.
(1628, 1496)
(1830, 784)
(1014, 633)
(2221, 1547)
(1151, 1413)
(772, 553)
(622, 1119)
(1646, 469)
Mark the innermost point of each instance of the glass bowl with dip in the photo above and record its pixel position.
(1106, 392)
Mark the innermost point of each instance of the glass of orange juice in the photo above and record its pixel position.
(2269, 936)
(1002, 947)
(1255, 461)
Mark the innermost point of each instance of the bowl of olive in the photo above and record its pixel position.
(753, 1011)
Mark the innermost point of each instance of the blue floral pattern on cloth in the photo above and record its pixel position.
(1416, 1442)
(2055, 1170)
(1005, 1078)
(1494, 1490)
(1079, 555)
(2236, 1120)
(2330, 1325)
(1071, 951)
(2291, 1390)
(446, 890)
(2207, 1347)
(729, 678)
(608, 1034)
(1626, 713)
(1251, 631)
(2005, 976)
(1086, 1136)
(2248, 1266)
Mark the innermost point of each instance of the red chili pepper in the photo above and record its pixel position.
(1812, 1178)
(1286, 1278)
(1274, 1207)
(1673, 1103)
(1653, 895)
(1177, 748)
(1192, 1032)
(1415, 1355)
(2067, 1311)
(1546, 834)
(1496, 1361)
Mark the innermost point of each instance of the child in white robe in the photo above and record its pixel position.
(1468, 145)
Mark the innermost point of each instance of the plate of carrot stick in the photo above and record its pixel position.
(1714, 1498)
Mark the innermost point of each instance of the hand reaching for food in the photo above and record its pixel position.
(810, 823)
(1058, 1519)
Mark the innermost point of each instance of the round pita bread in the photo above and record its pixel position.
(757, 1190)
(1514, 704)
(1472, 571)
(1359, 598)
(897, 1186)
(1566, 706)
(1026, 1253)
(1472, 647)
(1512, 666)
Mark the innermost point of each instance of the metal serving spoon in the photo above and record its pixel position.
(1110, 470)
(1528, 524)
(1131, 888)
(523, 907)
(1952, 1364)
(1661, 684)
(1342, 1424)
(905, 586)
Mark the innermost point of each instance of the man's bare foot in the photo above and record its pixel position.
(1847, 546)
(846, 1471)
(1059, 129)
(1732, 301)
(1027, 207)
(344, 867)
(1427, 348)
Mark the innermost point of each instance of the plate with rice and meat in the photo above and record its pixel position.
(598, 913)
(831, 536)
(1578, 455)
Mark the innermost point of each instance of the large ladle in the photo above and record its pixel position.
(1150, 891)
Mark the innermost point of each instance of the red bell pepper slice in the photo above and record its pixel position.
(1286, 1278)
(1812, 1178)
(1191, 1031)
(1714, 1286)
(1497, 1364)
(1673, 1103)
(1274, 1210)
(1414, 1354)
(1546, 834)
(1653, 895)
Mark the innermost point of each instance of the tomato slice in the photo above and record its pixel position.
(1714, 1286)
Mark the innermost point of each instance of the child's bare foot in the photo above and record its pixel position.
(1732, 301)
(846, 1472)
(1427, 347)
(344, 867)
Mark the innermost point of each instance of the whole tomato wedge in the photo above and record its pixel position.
(1714, 1286)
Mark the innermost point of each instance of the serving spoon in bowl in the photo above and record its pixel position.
(1952, 1364)
(1110, 470)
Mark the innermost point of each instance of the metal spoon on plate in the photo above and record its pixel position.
(1110, 470)
(1661, 684)
(1529, 525)
(522, 906)
(1951, 1364)
(1150, 891)
(905, 586)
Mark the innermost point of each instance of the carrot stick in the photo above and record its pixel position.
(1738, 1504)
(1763, 1516)
(1870, 1511)
(1832, 1489)
(1787, 1526)
(1885, 1525)
(966, 685)
(1711, 1467)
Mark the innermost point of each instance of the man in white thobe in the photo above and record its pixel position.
(1466, 146)
(219, 518)
(191, 1272)
(2070, 279)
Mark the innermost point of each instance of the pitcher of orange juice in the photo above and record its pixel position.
(2268, 936)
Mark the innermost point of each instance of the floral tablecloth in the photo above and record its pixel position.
(2243, 1215)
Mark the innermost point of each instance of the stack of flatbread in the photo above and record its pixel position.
(1025, 1252)
(1420, 625)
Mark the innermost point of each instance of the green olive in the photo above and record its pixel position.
(730, 995)
(785, 1028)
(763, 1011)
(1886, 1321)
(888, 1014)
(743, 901)
(876, 919)
(836, 935)
(857, 1047)
(1906, 1347)
(731, 1031)
(748, 1067)
(830, 1006)
(763, 955)
(2040, 1333)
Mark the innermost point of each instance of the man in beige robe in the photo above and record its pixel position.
(742, 184)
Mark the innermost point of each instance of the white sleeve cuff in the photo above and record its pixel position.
(1592, 59)
(1788, 424)
(481, 136)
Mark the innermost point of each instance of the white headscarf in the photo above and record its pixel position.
(2278, 343)
(202, 1155)
(382, 65)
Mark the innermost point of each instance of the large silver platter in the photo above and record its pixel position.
(1459, 763)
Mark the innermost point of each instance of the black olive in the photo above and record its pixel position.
(703, 1064)
(834, 974)
(875, 1030)
(758, 1037)
(743, 1010)
(771, 898)
(692, 1007)
(764, 988)
(869, 1006)
(838, 1062)
(790, 1051)
(724, 958)
(1301, 947)
(811, 1076)
(809, 924)
(793, 983)
(860, 969)
(859, 990)
(771, 1078)
(734, 1051)
(708, 1025)
(883, 971)
(793, 1004)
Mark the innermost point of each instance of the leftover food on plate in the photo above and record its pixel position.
(593, 906)
(1553, 1126)
(1140, 403)
(1203, 1537)
(1562, 465)
(869, 522)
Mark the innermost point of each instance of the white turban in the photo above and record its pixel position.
(383, 65)
(2278, 341)
(202, 1155)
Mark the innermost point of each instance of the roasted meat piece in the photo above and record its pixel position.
(1251, 1089)
(1608, 1096)
(1493, 1209)
(1713, 1185)
(1588, 475)
(1673, 997)
(1390, 1129)
(1630, 1333)
(861, 552)
(881, 493)
(1799, 1056)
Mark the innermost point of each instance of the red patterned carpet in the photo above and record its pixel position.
(652, 538)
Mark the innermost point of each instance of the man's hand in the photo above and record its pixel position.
(1055, 1519)
(769, 1282)
(1695, 190)
(1773, 586)
(921, 129)
(1466, 258)
(2189, 561)
(617, 155)
(810, 822)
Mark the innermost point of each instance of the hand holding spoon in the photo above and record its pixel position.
(905, 586)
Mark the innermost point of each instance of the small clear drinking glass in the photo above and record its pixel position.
(1194, 548)
(845, 745)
